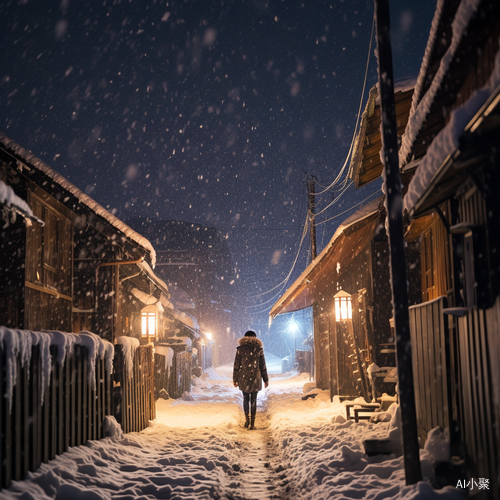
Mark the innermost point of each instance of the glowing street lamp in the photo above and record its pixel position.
(343, 306)
(149, 322)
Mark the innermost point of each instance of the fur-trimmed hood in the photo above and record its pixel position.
(250, 341)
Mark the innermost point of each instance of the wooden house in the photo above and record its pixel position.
(80, 268)
(356, 261)
(348, 277)
(453, 134)
(195, 262)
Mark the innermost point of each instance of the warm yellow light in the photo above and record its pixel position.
(343, 306)
(208, 335)
(148, 322)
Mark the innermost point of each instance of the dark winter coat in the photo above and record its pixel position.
(250, 365)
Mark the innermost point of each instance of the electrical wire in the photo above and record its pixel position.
(285, 281)
(339, 176)
(349, 209)
(344, 185)
(267, 309)
(344, 189)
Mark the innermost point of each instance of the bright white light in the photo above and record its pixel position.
(293, 327)
(208, 335)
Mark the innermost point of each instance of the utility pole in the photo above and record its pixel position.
(392, 180)
(311, 203)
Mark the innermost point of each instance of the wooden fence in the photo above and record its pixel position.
(431, 364)
(134, 398)
(176, 379)
(479, 347)
(205, 355)
(72, 412)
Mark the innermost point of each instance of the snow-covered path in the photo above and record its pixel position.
(257, 479)
(198, 449)
(262, 476)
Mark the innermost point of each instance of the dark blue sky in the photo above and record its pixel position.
(202, 111)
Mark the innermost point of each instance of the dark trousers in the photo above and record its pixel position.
(250, 400)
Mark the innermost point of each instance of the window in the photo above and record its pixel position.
(49, 248)
(475, 285)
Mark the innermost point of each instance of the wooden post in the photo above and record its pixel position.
(392, 181)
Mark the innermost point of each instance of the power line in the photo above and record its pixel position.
(285, 281)
(349, 209)
(339, 176)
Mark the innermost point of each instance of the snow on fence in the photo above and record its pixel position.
(173, 370)
(57, 390)
(134, 403)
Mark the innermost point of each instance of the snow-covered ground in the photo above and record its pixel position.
(198, 448)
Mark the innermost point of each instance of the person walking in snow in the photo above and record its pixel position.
(248, 373)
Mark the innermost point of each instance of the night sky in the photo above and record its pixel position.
(202, 111)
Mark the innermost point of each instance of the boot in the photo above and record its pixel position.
(247, 420)
(252, 422)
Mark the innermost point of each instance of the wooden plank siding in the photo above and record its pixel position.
(431, 365)
(493, 343)
(478, 333)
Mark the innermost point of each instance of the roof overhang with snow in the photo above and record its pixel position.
(366, 164)
(352, 236)
(24, 161)
(473, 153)
(459, 31)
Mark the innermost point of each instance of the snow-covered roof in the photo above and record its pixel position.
(9, 198)
(144, 297)
(421, 104)
(186, 319)
(16, 204)
(363, 213)
(447, 141)
(366, 159)
(86, 200)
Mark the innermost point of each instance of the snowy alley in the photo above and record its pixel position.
(198, 448)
